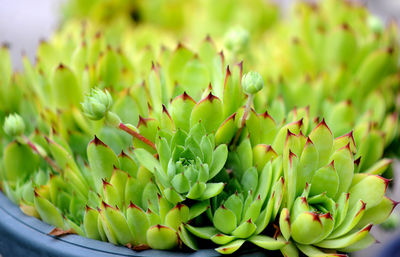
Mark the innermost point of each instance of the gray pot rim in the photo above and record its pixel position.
(22, 235)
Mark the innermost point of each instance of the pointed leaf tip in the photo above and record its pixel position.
(309, 141)
(208, 39)
(123, 154)
(106, 205)
(88, 208)
(367, 228)
(357, 161)
(345, 26)
(291, 156)
(142, 121)
(185, 97)
(228, 71)
(105, 183)
(266, 115)
(211, 97)
(323, 123)
(327, 216)
(97, 141)
(316, 217)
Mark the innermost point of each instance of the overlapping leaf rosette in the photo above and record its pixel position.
(199, 154)
(181, 18)
(51, 185)
(250, 203)
(131, 207)
(264, 152)
(56, 187)
(341, 61)
(111, 198)
(153, 196)
(11, 93)
(82, 56)
(183, 141)
(119, 57)
(331, 204)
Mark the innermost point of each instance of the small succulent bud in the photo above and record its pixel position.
(375, 24)
(96, 104)
(237, 39)
(14, 125)
(252, 82)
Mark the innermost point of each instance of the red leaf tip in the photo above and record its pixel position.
(357, 161)
(228, 72)
(315, 217)
(142, 121)
(97, 141)
(327, 216)
(368, 228)
(185, 97)
(345, 26)
(106, 205)
(105, 183)
(309, 141)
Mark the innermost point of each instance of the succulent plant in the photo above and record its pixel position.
(178, 16)
(329, 202)
(187, 162)
(14, 125)
(115, 190)
(114, 186)
(199, 154)
(180, 171)
(130, 209)
(96, 52)
(73, 63)
(97, 104)
(310, 51)
(243, 215)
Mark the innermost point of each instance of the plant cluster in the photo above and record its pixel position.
(343, 66)
(182, 18)
(128, 138)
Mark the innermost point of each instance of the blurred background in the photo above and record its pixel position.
(23, 23)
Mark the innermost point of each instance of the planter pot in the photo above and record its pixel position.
(391, 249)
(24, 236)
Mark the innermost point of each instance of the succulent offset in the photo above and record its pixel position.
(243, 214)
(206, 150)
(343, 66)
(330, 203)
(194, 19)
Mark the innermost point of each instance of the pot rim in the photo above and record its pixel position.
(23, 231)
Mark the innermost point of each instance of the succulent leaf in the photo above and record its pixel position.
(161, 237)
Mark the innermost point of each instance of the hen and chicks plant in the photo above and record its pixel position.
(199, 156)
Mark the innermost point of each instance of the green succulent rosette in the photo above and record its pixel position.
(244, 214)
(344, 66)
(129, 210)
(11, 93)
(120, 58)
(179, 17)
(330, 204)
(187, 162)
(75, 61)
(112, 199)
(180, 166)
(204, 158)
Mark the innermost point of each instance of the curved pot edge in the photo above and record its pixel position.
(18, 230)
